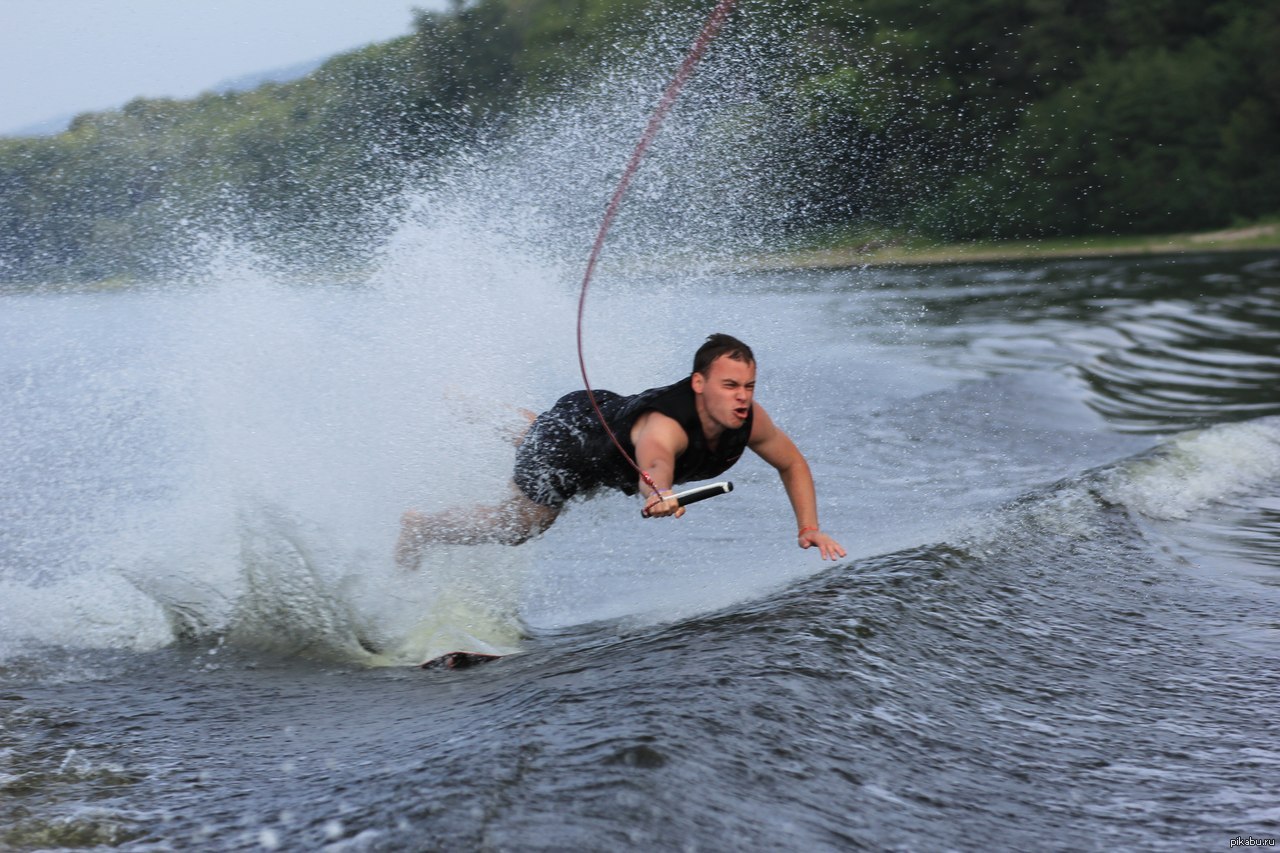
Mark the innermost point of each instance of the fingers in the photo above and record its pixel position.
(661, 506)
(828, 548)
(832, 550)
(664, 507)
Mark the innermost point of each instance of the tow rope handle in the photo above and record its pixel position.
(698, 493)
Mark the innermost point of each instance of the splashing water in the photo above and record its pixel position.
(237, 469)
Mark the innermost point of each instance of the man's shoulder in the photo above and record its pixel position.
(654, 426)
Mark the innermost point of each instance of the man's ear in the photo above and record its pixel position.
(699, 382)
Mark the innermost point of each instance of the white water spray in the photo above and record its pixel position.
(269, 433)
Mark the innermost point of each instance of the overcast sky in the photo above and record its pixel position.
(69, 56)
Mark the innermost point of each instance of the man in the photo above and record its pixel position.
(695, 429)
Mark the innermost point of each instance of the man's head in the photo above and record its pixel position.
(718, 345)
(724, 383)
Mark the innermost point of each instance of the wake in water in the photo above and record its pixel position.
(1192, 472)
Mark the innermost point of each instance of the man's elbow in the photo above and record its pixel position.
(795, 467)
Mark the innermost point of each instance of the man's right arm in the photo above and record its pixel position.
(658, 440)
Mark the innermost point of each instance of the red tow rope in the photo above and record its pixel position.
(709, 30)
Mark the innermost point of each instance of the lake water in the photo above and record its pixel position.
(1058, 483)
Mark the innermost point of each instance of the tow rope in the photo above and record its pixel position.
(709, 31)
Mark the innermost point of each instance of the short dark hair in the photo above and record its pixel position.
(717, 345)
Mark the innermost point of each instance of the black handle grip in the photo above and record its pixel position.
(699, 493)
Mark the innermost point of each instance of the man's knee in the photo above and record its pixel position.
(512, 536)
(528, 520)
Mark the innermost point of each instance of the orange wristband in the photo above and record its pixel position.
(806, 527)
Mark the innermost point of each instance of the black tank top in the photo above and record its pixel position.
(698, 462)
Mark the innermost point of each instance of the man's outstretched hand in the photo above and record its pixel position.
(828, 547)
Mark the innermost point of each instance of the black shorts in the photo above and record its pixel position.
(557, 458)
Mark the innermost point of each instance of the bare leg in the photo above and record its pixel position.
(516, 434)
(512, 522)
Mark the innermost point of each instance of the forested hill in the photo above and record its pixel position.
(963, 119)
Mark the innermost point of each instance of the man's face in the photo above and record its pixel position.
(726, 391)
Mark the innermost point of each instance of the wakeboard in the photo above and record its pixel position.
(458, 660)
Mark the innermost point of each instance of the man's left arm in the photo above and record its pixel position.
(776, 447)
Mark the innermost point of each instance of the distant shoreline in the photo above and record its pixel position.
(889, 251)
(1262, 237)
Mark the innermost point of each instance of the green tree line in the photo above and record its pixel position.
(965, 119)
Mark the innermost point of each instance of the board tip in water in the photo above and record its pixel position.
(458, 660)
